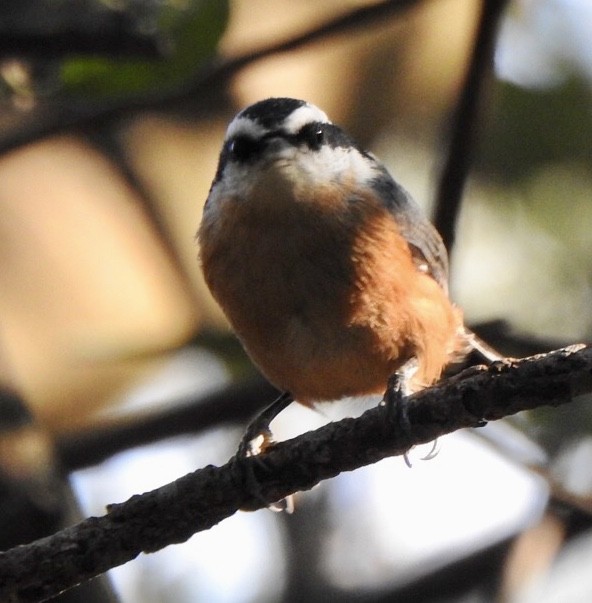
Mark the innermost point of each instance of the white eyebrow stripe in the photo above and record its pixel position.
(302, 116)
(244, 126)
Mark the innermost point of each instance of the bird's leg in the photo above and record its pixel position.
(258, 428)
(256, 439)
(396, 403)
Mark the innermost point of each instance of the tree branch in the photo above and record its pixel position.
(195, 502)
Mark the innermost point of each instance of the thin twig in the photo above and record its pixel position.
(464, 123)
(54, 120)
(195, 502)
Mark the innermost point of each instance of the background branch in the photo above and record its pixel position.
(52, 120)
(197, 501)
(115, 43)
(464, 128)
(232, 405)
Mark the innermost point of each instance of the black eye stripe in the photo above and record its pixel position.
(244, 148)
(312, 135)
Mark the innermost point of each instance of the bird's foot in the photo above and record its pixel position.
(255, 441)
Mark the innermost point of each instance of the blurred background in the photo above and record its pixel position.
(118, 373)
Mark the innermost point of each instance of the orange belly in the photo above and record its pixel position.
(328, 304)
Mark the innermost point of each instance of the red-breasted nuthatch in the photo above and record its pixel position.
(328, 271)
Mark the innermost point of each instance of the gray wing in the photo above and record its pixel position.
(427, 247)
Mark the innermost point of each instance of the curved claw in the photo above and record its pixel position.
(434, 451)
(285, 505)
(407, 461)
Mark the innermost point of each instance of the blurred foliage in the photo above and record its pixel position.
(530, 127)
(188, 31)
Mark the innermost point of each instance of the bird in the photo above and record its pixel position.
(329, 272)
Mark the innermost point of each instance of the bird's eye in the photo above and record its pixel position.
(312, 135)
(244, 148)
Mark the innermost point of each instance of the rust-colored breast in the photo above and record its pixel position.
(325, 296)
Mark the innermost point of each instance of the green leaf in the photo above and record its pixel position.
(192, 30)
